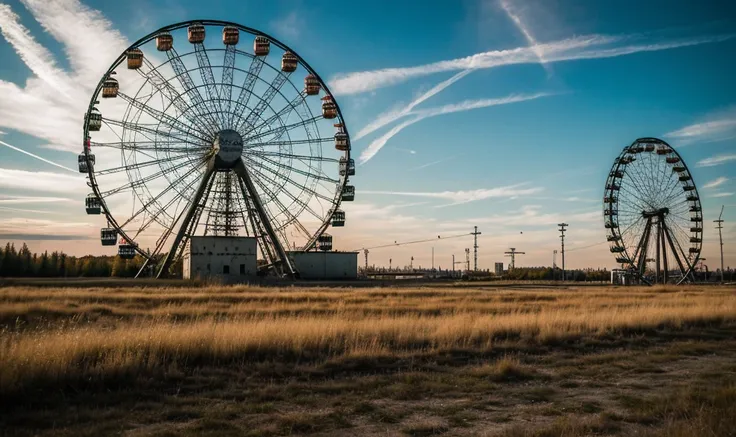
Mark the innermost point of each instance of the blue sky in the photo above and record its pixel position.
(506, 114)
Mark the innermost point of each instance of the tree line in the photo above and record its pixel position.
(23, 263)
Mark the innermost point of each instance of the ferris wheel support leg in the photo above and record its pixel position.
(685, 271)
(193, 207)
(641, 250)
(242, 172)
(661, 237)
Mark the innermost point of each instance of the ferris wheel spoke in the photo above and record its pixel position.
(297, 157)
(162, 117)
(638, 201)
(289, 194)
(145, 130)
(166, 89)
(208, 78)
(187, 83)
(138, 165)
(149, 146)
(226, 88)
(304, 173)
(254, 71)
(164, 210)
(280, 130)
(140, 182)
(284, 209)
(284, 112)
(302, 141)
(273, 88)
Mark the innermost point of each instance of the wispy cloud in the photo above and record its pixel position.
(721, 195)
(584, 47)
(716, 182)
(716, 160)
(524, 29)
(392, 115)
(41, 181)
(419, 115)
(430, 164)
(33, 155)
(17, 200)
(716, 127)
(290, 25)
(460, 197)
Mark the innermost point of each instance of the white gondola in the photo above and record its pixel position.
(338, 218)
(164, 42)
(94, 120)
(230, 36)
(324, 242)
(347, 167)
(195, 34)
(348, 193)
(92, 204)
(108, 236)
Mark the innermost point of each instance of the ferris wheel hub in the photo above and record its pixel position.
(661, 212)
(228, 146)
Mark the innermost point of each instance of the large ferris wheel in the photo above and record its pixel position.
(189, 133)
(652, 213)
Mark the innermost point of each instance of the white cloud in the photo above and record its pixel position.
(41, 181)
(721, 195)
(463, 196)
(716, 182)
(716, 127)
(290, 25)
(585, 47)
(716, 160)
(418, 115)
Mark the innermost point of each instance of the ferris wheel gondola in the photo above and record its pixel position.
(195, 135)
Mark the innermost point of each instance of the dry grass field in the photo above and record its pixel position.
(488, 359)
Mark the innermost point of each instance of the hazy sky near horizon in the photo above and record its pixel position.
(505, 114)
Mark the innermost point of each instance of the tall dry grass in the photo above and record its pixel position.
(156, 331)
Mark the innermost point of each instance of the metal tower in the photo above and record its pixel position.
(366, 252)
(562, 237)
(467, 259)
(512, 253)
(475, 234)
(719, 222)
(554, 259)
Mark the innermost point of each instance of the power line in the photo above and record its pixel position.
(439, 237)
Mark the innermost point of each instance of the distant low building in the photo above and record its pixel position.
(325, 264)
(498, 269)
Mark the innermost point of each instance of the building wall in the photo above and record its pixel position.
(207, 256)
(499, 268)
(326, 265)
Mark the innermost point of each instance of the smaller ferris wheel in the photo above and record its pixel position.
(652, 213)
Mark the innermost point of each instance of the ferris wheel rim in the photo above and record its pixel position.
(609, 208)
(92, 180)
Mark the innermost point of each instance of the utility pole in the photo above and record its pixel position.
(411, 263)
(467, 259)
(454, 263)
(475, 234)
(719, 222)
(562, 237)
(554, 264)
(389, 264)
(433, 258)
(365, 252)
(512, 253)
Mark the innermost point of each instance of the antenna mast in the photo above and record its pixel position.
(719, 226)
(562, 237)
(475, 234)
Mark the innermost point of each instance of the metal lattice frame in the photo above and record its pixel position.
(277, 189)
(652, 213)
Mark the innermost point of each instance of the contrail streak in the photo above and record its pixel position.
(37, 157)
